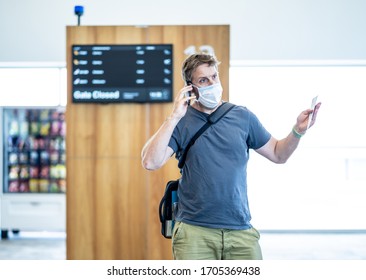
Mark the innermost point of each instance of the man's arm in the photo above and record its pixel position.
(156, 151)
(279, 151)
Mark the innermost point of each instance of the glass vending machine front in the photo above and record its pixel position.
(34, 150)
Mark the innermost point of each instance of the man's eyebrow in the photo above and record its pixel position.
(216, 73)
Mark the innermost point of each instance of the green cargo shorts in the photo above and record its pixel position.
(201, 243)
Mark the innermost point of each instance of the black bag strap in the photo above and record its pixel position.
(211, 119)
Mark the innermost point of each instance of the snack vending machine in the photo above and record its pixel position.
(34, 170)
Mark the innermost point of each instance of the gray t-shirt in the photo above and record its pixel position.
(213, 187)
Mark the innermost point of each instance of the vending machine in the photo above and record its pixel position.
(33, 169)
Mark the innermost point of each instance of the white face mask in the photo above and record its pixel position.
(210, 96)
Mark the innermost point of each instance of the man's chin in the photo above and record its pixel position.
(208, 108)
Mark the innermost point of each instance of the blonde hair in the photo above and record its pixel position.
(191, 63)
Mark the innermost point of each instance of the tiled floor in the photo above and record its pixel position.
(275, 246)
(34, 246)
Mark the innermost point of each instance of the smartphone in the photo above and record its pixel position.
(189, 93)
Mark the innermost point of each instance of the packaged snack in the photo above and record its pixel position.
(14, 172)
(44, 128)
(24, 128)
(44, 115)
(53, 171)
(55, 115)
(41, 143)
(54, 157)
(43, 185)
(34, 128)
(62, 185)
(13, 158)
(61, 171)
(45, 172)
(62, 143)
(13, 186)
(24, 173)
(63, 157)
(54, 186)
(13, 128)
(34, 171)
(24, 186)
(33, 185)
(23, 157)
(45, 157)
(33, 115)
(34, 157)
(56, 127)
(63, 129)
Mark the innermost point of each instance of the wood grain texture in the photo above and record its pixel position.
(112, 202)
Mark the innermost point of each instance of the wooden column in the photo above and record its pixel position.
(112, 202)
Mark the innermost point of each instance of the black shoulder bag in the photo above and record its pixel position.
(169, 203)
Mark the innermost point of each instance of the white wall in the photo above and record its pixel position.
(34, 30)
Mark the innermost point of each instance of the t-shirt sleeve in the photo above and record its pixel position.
(258, 135)
(173, 143)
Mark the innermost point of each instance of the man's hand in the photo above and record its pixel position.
(181, 102)
(303, 119)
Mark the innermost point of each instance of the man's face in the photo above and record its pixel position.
(205, 76)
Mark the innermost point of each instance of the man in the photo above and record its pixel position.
(213, 218)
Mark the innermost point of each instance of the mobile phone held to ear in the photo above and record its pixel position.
(189, 93)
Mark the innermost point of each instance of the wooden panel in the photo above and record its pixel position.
(112, 202)
(80, 212)
(106, 130)
(106, 217)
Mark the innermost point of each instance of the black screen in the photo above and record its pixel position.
(122, 73)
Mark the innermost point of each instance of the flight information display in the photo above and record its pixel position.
(122, 73)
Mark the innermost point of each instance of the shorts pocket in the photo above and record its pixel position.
(255, 232)
(177, 230)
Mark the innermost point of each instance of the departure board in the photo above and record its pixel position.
(122, 73)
